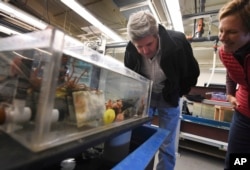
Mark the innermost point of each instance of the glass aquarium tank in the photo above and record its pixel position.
(54, 90)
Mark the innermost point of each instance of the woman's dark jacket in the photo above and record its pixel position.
(177, 62)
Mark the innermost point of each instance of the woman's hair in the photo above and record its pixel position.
(140, 25)
(240, 7)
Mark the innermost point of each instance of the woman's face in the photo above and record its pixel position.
(147, 46)
(232, 33)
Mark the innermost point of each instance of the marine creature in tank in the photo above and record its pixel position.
(123, 108)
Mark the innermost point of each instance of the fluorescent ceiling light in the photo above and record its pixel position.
(79, 9)
(8, 31)
(175, 14)
(21, 15)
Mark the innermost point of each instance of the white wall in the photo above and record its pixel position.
(206, 57)
(217, 78)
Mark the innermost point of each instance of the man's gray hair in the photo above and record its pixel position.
(140, 25)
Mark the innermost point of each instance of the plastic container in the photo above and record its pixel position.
(59, 90)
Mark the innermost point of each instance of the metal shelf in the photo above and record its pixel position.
(216, 143)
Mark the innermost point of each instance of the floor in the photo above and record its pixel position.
(192, 160)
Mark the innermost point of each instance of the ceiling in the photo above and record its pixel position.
(114, 14)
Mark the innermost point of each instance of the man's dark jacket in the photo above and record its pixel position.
(177, 62)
